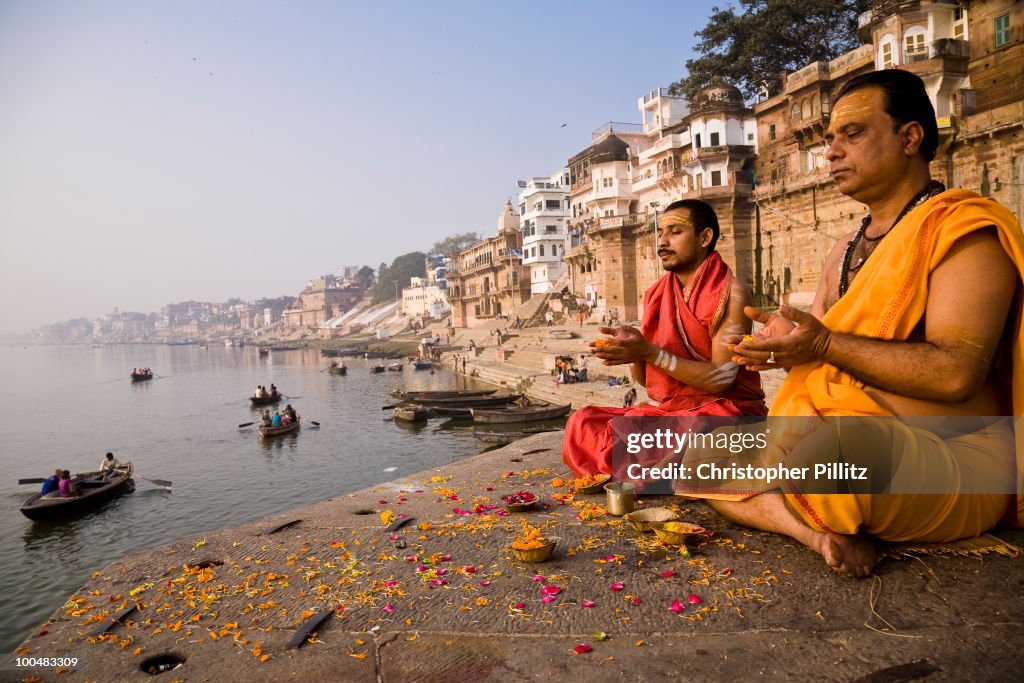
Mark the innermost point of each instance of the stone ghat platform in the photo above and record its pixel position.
(442, 598)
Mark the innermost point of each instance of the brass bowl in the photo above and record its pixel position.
(520, 506)
(540, 554)
(643, 519)
(677, 537)
(596, 487)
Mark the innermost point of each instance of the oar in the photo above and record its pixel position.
(158, 482)
(33, 480)
(314, 423)
(246, 424)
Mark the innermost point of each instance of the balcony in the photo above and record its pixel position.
(616, 127)
(811, 128)
(719, 152)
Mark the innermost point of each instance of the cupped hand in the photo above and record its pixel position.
(789, 337)
(627, 345)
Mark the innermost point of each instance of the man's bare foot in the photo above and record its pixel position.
(854, 555)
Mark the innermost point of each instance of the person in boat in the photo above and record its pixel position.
(276, 421)
(51, 483)
(289, 412)
(258, 393)
(273, 391)
(286, 420)
(680, 352)
(930, 279)
(265, 418)
(110, 466)
(66, 486)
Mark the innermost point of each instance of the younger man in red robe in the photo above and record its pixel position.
(679, 353)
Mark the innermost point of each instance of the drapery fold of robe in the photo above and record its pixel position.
(682, 321)
(887, 300)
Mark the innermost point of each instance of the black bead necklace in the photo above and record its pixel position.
(934, 187)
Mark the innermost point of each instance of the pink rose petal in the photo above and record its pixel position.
(668, 575)
(617, 586)
(537, 578)
(587, 603)
(421, 568)
(677, 606)
(550, 590)
(389, 608)
(548, 598)
(389, 584)
(583, 648)
(446, 558)
(694, 600)
(520, 605)
(485, 583)
(470, 570)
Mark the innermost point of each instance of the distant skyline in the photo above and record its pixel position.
(160, 152)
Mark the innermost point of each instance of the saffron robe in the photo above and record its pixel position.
(887, 300)
(682, 321)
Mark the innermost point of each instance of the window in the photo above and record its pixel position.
(771, 132)
(714, 140)
(886, 58)
(696, 139)
(913, 42)
(716, 178)
(795, 113)
(552, 204)
(815, 105)
(1002, 30)
(959, 24)
(541, 249)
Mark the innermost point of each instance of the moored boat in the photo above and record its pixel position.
(377, 368)
(525, 414)
(93, 491)
(395, 367)
(439, 394)
(264, 350)
(266, 432)
(470, 401)
(411, 413)
(422, 364)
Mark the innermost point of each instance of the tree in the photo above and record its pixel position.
(365, 276)
(752, 50)
(401, 269)
(455, 243)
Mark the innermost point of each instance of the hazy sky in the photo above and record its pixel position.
(153, 152)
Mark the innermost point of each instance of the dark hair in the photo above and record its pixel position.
(110, 455)
(702, 215)
(906, 100)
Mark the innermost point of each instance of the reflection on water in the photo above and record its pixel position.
(183, 426)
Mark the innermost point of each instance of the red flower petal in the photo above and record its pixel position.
(537, 578)
(587, 603)
(583, 648)
(617, 586)
(548, 598)
(668, 575)
(550, 590)
(677, 606)
(694, 600)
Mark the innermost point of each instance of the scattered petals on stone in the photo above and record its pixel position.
(550, 590)
(694, 600)
(677, 606)
(583, 648)
(617, 586)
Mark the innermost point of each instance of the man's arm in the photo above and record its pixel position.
(969, 296)
(715, 376)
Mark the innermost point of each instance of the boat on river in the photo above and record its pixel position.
(267, 400)
(411, 413)
(93, 491)
(459, 393)
(377, 368)
(469, 401)
(533, 413)
(422, 364)
(338, 370)
(395, 367)
(141, 376)
(268, 432)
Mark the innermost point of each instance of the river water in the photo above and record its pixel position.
(66, 406)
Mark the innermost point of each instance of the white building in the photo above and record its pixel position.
(543, 214)
(423, 299)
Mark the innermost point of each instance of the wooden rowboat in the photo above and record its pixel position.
(417, 395)
(470, 402)
(93, 491)
(527, 414)
(265, 400)
(395, 367)
(411, 413)
(338, 370)
(422, 364)
(141, 376)
(377, 368)
(267, 432)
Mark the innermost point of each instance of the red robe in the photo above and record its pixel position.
(682, 321)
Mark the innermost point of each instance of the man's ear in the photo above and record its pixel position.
(912, 135)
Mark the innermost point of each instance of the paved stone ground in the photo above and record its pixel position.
(443, 599)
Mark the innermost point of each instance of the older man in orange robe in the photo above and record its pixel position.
(680, 353)
(917, 314)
